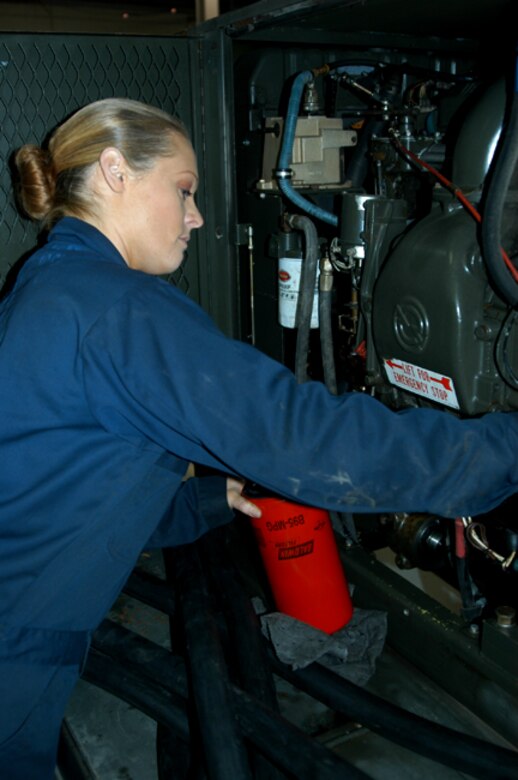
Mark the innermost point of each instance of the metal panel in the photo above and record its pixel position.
(440, 644)
(215, 147)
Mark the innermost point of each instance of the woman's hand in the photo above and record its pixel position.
(237, 501)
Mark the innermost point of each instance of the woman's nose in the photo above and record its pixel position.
(194, 217)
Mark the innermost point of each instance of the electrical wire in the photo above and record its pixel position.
(476, 536)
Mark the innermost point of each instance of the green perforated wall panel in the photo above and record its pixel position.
(44, 78)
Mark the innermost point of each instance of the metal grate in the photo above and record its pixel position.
(44, 78)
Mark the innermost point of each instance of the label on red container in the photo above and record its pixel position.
(301, 559)
(285, 525)
(288, 553)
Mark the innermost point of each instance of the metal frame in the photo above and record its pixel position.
(440, 643)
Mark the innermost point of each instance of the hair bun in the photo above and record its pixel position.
(36, 183)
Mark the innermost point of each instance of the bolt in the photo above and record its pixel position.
(505, 617)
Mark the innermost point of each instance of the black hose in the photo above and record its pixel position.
(268, 731)
(500, 175)
(326, 337)
(303, 758)
(447, 746)
(135, 651)
(148, 696)
(244, 630)
(225, 753)
(137, 655)
(151, 590)
(150, 678)
(245, 641)
(306, 294)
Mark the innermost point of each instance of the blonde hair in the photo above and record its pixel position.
(53, 181)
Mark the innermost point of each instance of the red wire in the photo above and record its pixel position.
(460, 538)
(460, 197)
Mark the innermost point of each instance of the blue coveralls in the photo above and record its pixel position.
(111, 380)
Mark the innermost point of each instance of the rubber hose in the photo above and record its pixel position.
(147, 696)
(223, 746)
(288, 136)
(244, 629)
(290, 124)
(245, 642)
(138, 668)
(502, 170)
(150, 590)
(304, 204)
(326, 340)
(306, 293)
(447, 746)
(150, 678)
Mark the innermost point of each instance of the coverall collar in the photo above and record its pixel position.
(76, 234)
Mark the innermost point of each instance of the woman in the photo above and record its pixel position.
(111, 380)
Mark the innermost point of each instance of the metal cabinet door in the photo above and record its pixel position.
(44, 78)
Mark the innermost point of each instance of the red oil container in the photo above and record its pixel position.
(300, 555)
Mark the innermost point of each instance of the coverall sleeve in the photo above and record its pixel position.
(156, 367)
(199, 505)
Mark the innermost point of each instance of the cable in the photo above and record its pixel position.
(150, 590)
(476, 536)
(225, 752)
(451, 748)
(151, 679)
(245, 646)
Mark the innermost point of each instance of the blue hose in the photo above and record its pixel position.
(290, 124)
(290, 127)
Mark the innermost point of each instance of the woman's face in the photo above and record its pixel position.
(159, 212)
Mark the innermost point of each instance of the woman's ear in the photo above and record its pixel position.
(113, 167)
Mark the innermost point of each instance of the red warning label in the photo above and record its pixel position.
(428, 384)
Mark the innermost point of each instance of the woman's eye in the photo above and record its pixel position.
(185, 194)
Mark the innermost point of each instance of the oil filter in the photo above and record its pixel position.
(300, 555)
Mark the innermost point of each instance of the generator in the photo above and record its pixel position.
(370, 150)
